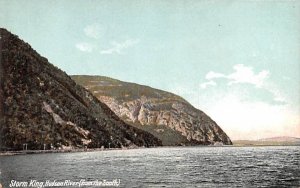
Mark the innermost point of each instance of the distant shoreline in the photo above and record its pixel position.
(263, 143)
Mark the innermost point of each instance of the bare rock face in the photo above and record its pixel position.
(41, 105)
(165, 115)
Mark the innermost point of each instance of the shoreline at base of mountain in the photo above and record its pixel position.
(25, 152)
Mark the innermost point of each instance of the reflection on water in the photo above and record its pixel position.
(163, 167)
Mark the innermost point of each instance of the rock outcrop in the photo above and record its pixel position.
(165, 115)
(41, 106)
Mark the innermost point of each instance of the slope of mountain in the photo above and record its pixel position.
(40, 104)
(163, 114)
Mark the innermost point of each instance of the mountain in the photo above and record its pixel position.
(40, 104)
(165, 115)
(282, 140)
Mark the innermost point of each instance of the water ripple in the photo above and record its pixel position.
(164, 167)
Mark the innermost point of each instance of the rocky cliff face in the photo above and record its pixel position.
(165, 115)
(40, 104)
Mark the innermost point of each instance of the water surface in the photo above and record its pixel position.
(271, 166)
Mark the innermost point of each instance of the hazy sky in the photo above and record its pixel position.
(238, 61)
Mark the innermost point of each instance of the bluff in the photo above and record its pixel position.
(165, 115)
(40, 105)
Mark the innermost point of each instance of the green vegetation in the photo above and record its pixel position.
(122, 91)
(45, 108)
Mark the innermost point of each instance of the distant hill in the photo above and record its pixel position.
(284, 140)
(40, 104)
(280, 139)
(165, 115)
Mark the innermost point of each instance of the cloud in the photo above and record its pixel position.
(253, 120)
(211, 75)
(85, 47)
(250, 106)
(242, 74)
(118, 48)
(278, 96)
(93, 31)
(245, 74)
(209, 83)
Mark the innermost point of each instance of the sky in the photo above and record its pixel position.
(237, 60)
